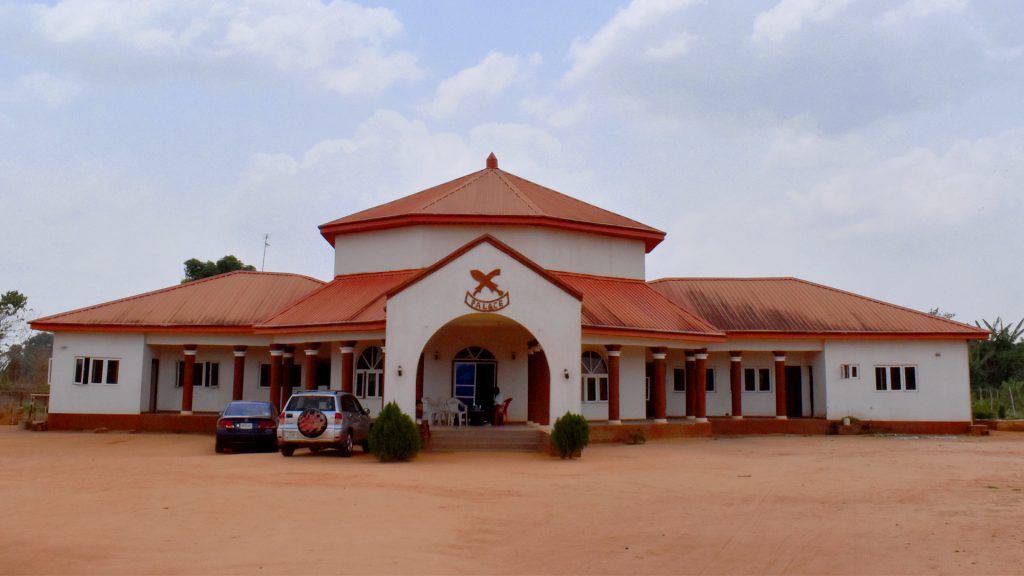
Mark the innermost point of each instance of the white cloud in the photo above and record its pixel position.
(492, 76)
(920, 9)
(554, 112)
(774, 26)
(919, 189)
(385, 157)
(588, 55)
(672, 48)
(371, 73)
(341, 43)
(44, 87)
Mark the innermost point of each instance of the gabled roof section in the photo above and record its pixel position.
(493, 197)
(501, 246)
(229, 302)
(778, 307)
(631, 307)
(353, 302)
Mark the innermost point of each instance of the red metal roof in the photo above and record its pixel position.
(610, 305)
(493, 196)
(790, 306)
(228, 302)
(348, 302)
(625, 305)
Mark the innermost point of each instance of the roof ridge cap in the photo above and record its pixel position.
(381, 273)
(263, 273)
(720, 278)
(684, 311)
(278, 312)
(595, 206)
(889, 304)
(165, 289)
(517, 191)
(597, 276)
(824, 287)
(475, 176)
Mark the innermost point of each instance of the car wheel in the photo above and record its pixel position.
(287, 451)
(218, 447)
(346, 448)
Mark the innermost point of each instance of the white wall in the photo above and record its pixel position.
(817, 363)
(420, 246)
(121, 398)
(145, 389)
(209, 399)
(632, 383)
(546, 311)
(943, 381)
(719, 401)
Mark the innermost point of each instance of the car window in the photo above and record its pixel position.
(299, 403)
(237, 409)
(356, 405)
(348, 404)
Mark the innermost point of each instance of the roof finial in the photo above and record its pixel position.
(492, 162)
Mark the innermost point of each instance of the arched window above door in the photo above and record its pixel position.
(474, 353)
(370, 359)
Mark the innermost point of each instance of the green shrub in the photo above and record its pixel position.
(394, 437)
(982, 411)
(570, 435)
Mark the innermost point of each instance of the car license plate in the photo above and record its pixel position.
(245, 426)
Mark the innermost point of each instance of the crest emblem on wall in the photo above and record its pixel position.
(486, 288)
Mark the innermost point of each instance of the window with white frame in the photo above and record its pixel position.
(264, 376)
(204, 374)
(96, 370)
(594, 377)
(709, 380)
(757, 380)
(849, 371)
(896, 378)
(369, 372)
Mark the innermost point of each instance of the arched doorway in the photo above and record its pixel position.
(470, 356)
(475, 377)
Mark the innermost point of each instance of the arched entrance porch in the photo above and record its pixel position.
(484, 359)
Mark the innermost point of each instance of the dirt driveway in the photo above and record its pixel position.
(82, 503)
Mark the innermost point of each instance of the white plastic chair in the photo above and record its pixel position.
(429, 410)
(458, 413)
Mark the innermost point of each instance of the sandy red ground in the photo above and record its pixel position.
(83, 503)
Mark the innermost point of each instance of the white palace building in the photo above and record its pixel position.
(492, 282)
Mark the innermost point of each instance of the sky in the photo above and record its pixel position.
(873, 146)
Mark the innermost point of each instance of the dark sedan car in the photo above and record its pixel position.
(247, 423)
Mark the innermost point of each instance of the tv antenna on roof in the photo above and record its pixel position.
(266, 244)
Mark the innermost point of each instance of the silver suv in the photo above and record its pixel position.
(318, 419)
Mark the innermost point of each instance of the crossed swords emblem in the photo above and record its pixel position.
(486, 281)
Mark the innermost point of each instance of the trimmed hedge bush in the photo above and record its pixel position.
(394, 437)
(570, 435)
